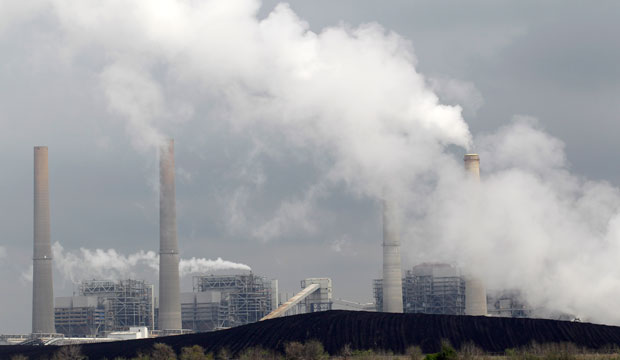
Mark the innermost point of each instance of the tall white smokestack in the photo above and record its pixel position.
(169, 287)
(42, 284)
(475, 291)
(392, 276)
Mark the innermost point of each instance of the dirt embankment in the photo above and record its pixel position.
(366, 330)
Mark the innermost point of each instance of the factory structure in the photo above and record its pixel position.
(104, 306)
(438, 288)
(129, 308)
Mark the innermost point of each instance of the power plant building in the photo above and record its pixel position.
(223, 301)
(508, 303)
(104, 306)
(429, 289)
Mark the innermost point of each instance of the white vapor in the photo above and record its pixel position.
(353, 99)
(194, 265)
(109, 264)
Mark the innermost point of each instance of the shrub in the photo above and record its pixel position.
(447, 353)
(414, 353)
(294, 350)
(195, 352)
(162, 352)
(69, 352)
(346, 351)
(258, 353)
(312, 350)
(364, 355)
(223, 354)
(470, 351)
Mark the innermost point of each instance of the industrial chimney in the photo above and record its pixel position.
(392, 277)
(42, 284)
(475, 291)
(169, 287)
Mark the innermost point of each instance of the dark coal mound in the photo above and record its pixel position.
(365, 330)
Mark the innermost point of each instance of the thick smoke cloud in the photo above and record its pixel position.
(530, 225)
(352, 101)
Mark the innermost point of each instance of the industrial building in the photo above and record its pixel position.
(430, 289)
(104, 306)
(508, 303)
(222, 301)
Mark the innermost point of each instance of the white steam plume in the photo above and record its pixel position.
(109, 264)
(353, 97)
(194, 265)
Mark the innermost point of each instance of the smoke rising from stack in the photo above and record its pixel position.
(85, 264)
(352, 97)
(169, 282)
(42, 283)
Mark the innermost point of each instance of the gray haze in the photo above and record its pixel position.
(284, 176)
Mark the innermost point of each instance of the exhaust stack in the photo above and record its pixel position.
(169, 287)
(42, 283)
(475, 291)
(392, 275)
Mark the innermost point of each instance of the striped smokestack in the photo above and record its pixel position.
(42, 284)
(392, 277)
(169, 287)
(475, 291)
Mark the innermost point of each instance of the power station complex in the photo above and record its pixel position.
(102, 306)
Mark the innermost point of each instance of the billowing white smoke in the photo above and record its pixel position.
(109, 264)
(530, 225)
(194, 265)
(353, 97)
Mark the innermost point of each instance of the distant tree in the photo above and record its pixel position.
(163, 352)
(69, 352)
(195, 352)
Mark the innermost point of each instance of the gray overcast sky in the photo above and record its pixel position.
(556, 61)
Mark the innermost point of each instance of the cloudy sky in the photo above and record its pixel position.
(290, 121)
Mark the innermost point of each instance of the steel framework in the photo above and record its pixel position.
(128, 302)
(245, 298)
(428, 294)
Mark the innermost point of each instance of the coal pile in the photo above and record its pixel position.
(365, 330)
